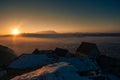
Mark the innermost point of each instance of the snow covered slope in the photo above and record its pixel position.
(60, 71)
(26, 61)
(82, 64)
(56, 71)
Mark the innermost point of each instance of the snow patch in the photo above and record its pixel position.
(56, 71)
(30, 61)
(82, 64)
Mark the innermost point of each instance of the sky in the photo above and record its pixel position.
(63, 16)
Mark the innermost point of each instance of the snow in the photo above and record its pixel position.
(30, 61)
(34, 60)
(56, 71)
(82, 64)
(66, 68)
(59, 71)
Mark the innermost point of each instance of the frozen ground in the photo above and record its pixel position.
(58, 71)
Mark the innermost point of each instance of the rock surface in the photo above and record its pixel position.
(6, 55)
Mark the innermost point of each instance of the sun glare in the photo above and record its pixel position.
(15, 31)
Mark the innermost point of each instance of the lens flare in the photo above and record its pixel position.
(15, 31)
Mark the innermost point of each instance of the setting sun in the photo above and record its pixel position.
(15, 31)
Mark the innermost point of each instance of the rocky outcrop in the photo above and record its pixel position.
(6, 55)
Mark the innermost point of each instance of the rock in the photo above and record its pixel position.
(6, 55)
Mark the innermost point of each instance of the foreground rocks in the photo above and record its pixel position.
(6, 55)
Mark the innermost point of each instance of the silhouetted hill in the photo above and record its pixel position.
(47, 32)
(65, 35)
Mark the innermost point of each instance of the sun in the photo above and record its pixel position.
(15, 31)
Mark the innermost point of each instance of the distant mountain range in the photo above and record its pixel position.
(53, 34)
(47, 32)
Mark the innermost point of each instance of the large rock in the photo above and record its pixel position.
(6, 55)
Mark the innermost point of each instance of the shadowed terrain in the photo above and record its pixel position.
(6, 55)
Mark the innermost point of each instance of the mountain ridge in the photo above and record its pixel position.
(47, 32)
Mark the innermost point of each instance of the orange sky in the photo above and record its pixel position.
(60, 16)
